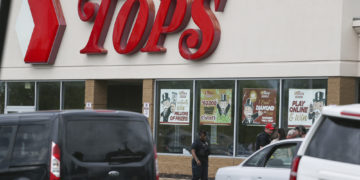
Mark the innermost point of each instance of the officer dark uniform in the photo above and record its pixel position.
(264, 138)
(200, 151)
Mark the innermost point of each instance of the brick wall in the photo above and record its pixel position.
(148, 97)
(341, 90)
(96, 93)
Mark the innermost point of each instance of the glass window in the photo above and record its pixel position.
(336, 139)
(2, 97)
(73, 95)
(21, 94)
(303, 100)
(258, 159)
(258, 105)
(5, 138)
(31, 144)
(126, 140)
(282, 156)
(174, 116)
(48, 95)
(215, 114)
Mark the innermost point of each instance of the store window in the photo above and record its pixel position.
(48, 95)
(21, 94)
(2, 97)
(73, 95)
(258, 102)
(215, 114)
(302, 101)
(174, 116)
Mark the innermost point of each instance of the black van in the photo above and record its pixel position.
(76, 145)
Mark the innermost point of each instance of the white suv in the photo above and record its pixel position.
(331, 149)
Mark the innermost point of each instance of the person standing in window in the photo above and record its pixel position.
(301, 130)
(200, 152)
(278, 134)
(292, 133)
(264, 138)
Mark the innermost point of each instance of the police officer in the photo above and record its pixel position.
(200, 152)
(264, 138)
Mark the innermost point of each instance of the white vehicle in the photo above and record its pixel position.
(273, 162)
(331, 149)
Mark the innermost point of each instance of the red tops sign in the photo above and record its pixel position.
(47, 33)
(147, 32)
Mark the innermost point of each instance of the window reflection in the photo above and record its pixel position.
(73, 95)
(48, 95)
(21, 94)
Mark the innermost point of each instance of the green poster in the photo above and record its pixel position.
(215, 106)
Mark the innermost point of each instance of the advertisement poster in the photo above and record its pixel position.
(259, 106)
(175, 106)
(305, 106)
(215, 106)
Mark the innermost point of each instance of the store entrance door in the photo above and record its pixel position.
(125, 95)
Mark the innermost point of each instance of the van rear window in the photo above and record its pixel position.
(114, 141)
(336, 139)
(32, 144)
(5, 138)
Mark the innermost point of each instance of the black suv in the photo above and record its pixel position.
(76, 145)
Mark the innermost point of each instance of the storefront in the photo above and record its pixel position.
(228, 68)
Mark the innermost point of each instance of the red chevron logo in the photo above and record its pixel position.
(49, 28)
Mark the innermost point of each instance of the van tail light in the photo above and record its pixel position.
(156, 165)
(55, 162)
(294, 168)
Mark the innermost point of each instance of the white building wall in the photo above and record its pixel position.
(260, 38)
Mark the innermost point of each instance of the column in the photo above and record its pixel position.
(148, 99)
(96, 94)
(341, 90)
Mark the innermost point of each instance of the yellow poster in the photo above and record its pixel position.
(216, 106)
